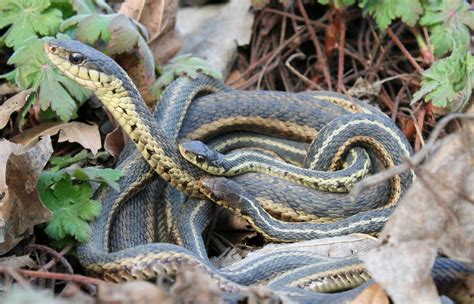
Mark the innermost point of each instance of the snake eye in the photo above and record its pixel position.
(76, 58)
(200, 159)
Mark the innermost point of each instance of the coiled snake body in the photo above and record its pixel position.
(116, 91)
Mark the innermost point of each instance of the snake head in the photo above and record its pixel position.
(82, 63)
(223, 191)
(203, 157)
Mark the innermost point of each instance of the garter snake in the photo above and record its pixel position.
(111, 84)
(239, 162)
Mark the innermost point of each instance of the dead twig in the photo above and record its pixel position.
(54, 276)
(404, 50)
(342, 46)
(309, 82)
(322, 58)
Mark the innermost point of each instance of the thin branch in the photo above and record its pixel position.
(342, 45)
(317, 45)
(311, 84)
(55, 276)
(404, 50)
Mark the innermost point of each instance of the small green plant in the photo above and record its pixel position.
(448, 83)
(67, 190)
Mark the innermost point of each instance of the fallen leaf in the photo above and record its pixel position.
(133, 292)
(213, 32)
(20, 206)
(86, 135)
(411, 261)
(159, 17)
(435, 215)
(13, 104)
(114, 142)
(374, 294)
(193, 286)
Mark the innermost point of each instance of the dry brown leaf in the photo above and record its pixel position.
(20, 206)
(411, 261)
(435, 214)
(86, 135)
(114, 142)
(13, 104)
(374, 294)
(133, 292)
(159, 17)
(194, 286)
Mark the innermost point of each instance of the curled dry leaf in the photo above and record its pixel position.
(86, 135)
(435, 214)
(13, 104)
(20, 206)
(133, 292)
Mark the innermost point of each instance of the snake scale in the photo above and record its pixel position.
(118, 94)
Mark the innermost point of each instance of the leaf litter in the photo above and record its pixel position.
(20, 206)
(428, 221)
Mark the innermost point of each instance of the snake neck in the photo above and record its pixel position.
(123, 101)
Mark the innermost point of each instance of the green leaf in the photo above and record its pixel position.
(409, 11)
(54, 95)
(385, 11)
(124, 35)
(71, 203)
(84, 6)
(105, 176)
(449, 22)
(337, 3)
(183, 65)
(63, 161)
(27, 18)
(89, 27)
(449, 80)
(55, 90)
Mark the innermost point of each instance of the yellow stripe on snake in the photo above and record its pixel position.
(215, 114)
